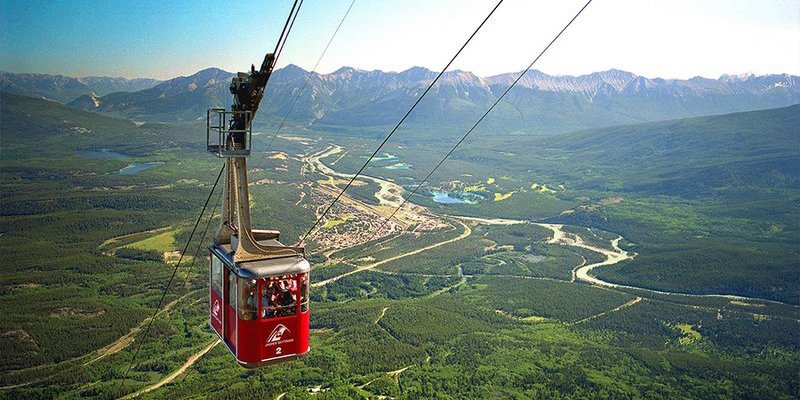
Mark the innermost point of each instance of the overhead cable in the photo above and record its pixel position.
(386, 139)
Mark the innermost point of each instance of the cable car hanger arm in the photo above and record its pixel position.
(248, 90)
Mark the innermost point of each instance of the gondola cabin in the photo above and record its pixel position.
(260, 308)
(258, 296)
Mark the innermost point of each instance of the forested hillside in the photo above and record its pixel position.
(706, 205)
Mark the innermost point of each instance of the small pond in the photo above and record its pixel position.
(102, 153)
(399, 166)
(384, 157)
(445, 198)
(136, 168)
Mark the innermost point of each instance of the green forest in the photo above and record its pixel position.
(495, 314)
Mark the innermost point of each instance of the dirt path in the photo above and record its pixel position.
(626, 305)
(108, 350)
(398, 371)
(383, 312)
(169, 378)
(127, 339)
(467, 232)
(394, 374)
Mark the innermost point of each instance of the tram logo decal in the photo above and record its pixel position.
(277, 336)
(215, 310)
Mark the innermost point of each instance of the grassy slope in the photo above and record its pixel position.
(456, 342)
(57, 208)
(711, 203)
(726, 217)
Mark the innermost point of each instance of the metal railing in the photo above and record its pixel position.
(224, 141)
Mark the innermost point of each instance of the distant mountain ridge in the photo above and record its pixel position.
(65, 89)
(541, 103)
(622, 81)
(182, 99)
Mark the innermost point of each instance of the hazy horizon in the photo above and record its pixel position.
(161, 40)
(397, 71)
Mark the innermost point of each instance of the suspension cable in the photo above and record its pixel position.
(468, 132)
(287, 27)
(305, 84)
(202, 239)
(172, 277)
(386, 139)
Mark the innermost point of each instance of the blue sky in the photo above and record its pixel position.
(163, 39)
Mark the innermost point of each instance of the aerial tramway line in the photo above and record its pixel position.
(259, 287)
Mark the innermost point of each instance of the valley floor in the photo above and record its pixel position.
(484, 290)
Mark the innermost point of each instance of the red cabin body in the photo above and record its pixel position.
(260, 308)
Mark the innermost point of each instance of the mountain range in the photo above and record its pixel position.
(350, 97)
(65, 89)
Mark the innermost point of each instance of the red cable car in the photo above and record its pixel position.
(258, 297)
(260, 308)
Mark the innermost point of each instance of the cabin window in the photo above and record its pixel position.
(232, 290)
(304, 293)
(248, 299)
(279, 298)
(216, 275)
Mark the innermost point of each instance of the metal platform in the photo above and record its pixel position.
(225, 141)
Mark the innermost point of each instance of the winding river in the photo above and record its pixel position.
(612, 257)
(390, 194)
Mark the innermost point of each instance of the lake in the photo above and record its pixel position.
(102, 153)
(445, 198)
(398, 166)
(136, 168)
(131, 169)
(384, 157)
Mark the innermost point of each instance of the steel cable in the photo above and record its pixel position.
(172, 277)
(386, 139)
(470, 130)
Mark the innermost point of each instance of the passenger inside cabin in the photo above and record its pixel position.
(251, 301)
(266, 304)
(269, 300)
(286, 297)
(252, 306)
(304, 294)
(279, 298)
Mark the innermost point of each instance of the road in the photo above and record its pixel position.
(127, 339)
(169, 378)
(389, 195)
(626, 305)
(108, 350)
